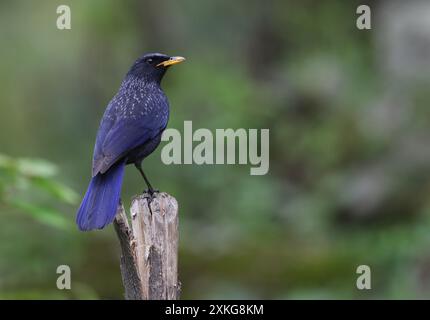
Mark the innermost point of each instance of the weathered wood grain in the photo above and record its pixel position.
(149, 260)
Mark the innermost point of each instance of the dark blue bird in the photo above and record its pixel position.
(129, 131)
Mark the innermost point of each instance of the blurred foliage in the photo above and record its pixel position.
(21, 179)
(349, 153)
(29, 186)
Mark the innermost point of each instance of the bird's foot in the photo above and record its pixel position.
(151, 192)
(150, 195)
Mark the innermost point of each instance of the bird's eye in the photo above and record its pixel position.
(150, 60)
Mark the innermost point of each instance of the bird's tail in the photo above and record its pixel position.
(100, 203)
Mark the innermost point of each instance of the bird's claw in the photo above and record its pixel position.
(151, 192)
(150, 195)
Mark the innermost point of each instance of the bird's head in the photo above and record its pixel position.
(153, 66)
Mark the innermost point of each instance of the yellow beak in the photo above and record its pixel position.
(171, 61)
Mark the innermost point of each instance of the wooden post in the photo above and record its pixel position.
(149, 259)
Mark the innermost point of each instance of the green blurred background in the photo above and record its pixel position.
(349, 155)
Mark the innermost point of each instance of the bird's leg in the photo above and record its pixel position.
(150, 190)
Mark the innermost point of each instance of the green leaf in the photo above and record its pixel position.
(44, 215)
(58, 190)
(35, 167)
(5, 161)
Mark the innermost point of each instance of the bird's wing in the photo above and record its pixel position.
(116, 139)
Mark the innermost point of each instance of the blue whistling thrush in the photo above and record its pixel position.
(129, 131)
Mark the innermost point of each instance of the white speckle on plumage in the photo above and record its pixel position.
(137, 100)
